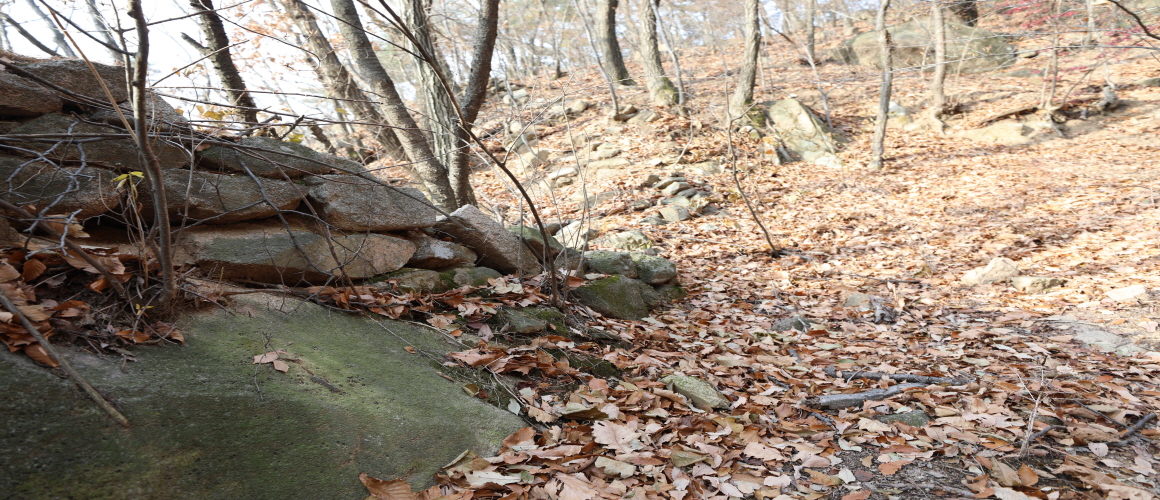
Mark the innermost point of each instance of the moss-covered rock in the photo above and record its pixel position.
(417, 280)
(618, 297)
(605, 262)
(209, 424)
(516, 320)
(916, 418)
(671, 292)
(653, 270)
(468, 276)
(535, 240)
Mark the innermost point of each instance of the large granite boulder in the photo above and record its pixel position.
(209, 424)
(159, 114)
(82, 192)
(431, 253)
(75, 76)
(269, 157)
(356, 204)
(21, 97)
(221, 198)
(497, 247)
(118, 152)
(801, 130)
(969, 50)
(268, 252)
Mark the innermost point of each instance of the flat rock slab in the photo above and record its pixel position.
(115, 152)
(75, 76)
(431, 253)
(270, 253)
(20, 97)
(222, 198)
(999, 269)
(356, 204)
(268, 157)
(618, 297)
(209, 424)
(81, 192)
(497, 247)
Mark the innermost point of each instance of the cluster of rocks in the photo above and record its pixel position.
(969, 49)
(259, 209)
(684, 198)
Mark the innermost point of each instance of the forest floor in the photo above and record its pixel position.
(1083, 207)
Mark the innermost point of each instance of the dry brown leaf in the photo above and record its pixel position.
(33, 268)
(397, 489)
(1027, 476)
(889, 468)
(38, 354)
(8, 273)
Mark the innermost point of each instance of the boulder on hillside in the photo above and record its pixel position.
(269, 157)
(469, 276)
(75, 76)
(356, 204)
(653, 270)
(209, 424)
(431, 253)
(535, 241)
(618, 297)
(802, 131)
(159, 114)
(221, 198)
(270, 253)
(21, 97)
(605, 262)
(969, 50)
(81, 192)
(497, 247)
(117, 153)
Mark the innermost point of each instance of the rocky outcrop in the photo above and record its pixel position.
(74, 75)
(21, 97)
(80, 192)
(969, 50)
(431, 253)
(268, 157)
(618, 297)
(119, 153)
(801, 131)
(356, 204)
(221, 198)
(497, 247)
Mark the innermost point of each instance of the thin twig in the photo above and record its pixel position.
(72, 373)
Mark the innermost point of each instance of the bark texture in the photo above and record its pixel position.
(217, 49)
(660, 88)
(887, 49)
(472, 100)
(609, 45)
(743, 94)
(415, 145)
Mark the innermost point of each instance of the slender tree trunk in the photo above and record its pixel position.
(5, 43)
(472, 99)
(437, 104)
(57, 36)
(339, 82)
(417, 149)
(811, 13)
(609, 45)
(27, 36)
(217, 49)
(660, 88)
(743, 94)
(103, 29)
(938, 95)
(608, 77)
(1089, 37)
(682, 96)
(887, 48)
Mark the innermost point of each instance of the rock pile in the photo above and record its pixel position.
(258, 209)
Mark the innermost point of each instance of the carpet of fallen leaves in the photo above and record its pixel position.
(1040, 414)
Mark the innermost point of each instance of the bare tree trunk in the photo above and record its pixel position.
(415, 145)
(660, 88)
(5, 43)
(887, 48)
(437, 104)
(103, 30)
(682, 95)
(966, 10)
(1089, 36)
(472, 100)
(938, 94)
(811, 13)
(218, 51)
(608, 78)
(609, 45)
(743, 94)
(339, 82)
(27, 36)
(57, 36)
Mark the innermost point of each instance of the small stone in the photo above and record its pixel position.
(535, 240)
(517, 321)
(916, 418)
(651, 180)
(431, 253)
(415, 280)
(605, 262)
(1035, 284)
(1149, 82)
(689, 193)
(675, 213)
(1127, 293)
(577, 235)
(604, 154)
(664, 183)
(860, 302)
(639, 205)
(999, 269)
(618, 297)
(705, 168)
(654, 270)
(469, 276)
(798, 323)
(597, 200)
(671, 292)
(678, 201)
(577, 106)
(627, 240)
(699, 392)
(653, 221)
(553, 227)
(674, 188)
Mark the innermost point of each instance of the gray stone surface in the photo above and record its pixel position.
(914, 418)
(999, 269)
(20, 97)
(75, 76)
(1149, 82)
(415, 280)
(431, 253)
(269, 157)
(221, 198)
(673, 188)
(58, 191)
(577, 235)
(117, 153)
(618, 297)
(356, 204)
(670, 292)
(158, 113)
(266, 252)
(972, 50)
(627, 240)
(497, 247)
(469, 276)
(675, 213)
(699, 392)
(209, 424)
(1036, 284)
(803, 132)
(535, 241)
(653, 270)
(605, 262)
(513, 320)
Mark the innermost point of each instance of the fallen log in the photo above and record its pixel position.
(897, 377)
(837, 401)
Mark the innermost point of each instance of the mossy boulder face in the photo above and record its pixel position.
(468, 276)
(969, 49)
(653, 270)
(618, 297)
(117, 153)
(535, 240)
(209, 424)
(417, 280)
(605, 262)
